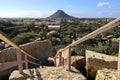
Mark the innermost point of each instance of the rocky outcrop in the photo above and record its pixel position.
(106, 74)
(39, 49)
(96, 61)
(79, 63)
(48, 73)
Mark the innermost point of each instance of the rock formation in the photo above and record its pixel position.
(39, 49)
(79, 63)
(96, 61)
(106, 74)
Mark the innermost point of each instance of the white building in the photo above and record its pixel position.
(53, 26)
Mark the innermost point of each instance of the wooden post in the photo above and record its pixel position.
(26, 62)
(69, 58)
(60, 58)
(62, 61)
(55, 61)
(119, 61)
(20, 66)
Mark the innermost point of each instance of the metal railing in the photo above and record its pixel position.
(19, 62)
(100, 30)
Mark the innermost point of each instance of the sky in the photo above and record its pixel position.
(44, 8)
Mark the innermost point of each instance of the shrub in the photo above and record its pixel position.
(24, 37)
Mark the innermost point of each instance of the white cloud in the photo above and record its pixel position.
(26, 13)
(102, 4)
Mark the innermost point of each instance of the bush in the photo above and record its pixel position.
(24, 37)
(110, 49)
(55, 49)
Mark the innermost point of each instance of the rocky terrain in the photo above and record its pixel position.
(34, 48)
(97, 61)
(94, 65)
(48, 73)
(106, 74)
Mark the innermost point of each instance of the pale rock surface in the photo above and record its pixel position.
(48, 73)
(106, 74)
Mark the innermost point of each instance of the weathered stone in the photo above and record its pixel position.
(96, 61)
(39, 49)
(48, 73)
(79, 63)
(106, 74)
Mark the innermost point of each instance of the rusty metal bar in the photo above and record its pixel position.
(26, 62)
(19, 59)
(119, 61)
(33, 63)
(60, 58)
(69, 59)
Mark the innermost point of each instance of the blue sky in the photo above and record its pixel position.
(44, 8)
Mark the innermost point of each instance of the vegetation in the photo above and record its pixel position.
(25, 37)
(104, 43)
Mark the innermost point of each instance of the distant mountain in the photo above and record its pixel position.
(60, 14)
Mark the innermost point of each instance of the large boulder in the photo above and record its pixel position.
(96, 61)
(106, 74)
(38, 49)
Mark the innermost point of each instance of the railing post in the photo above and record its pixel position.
(60, 58)
(55, 61)
(62, 61)
(26, 62)
(119, 61)
(69, 58)
(20, 66)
